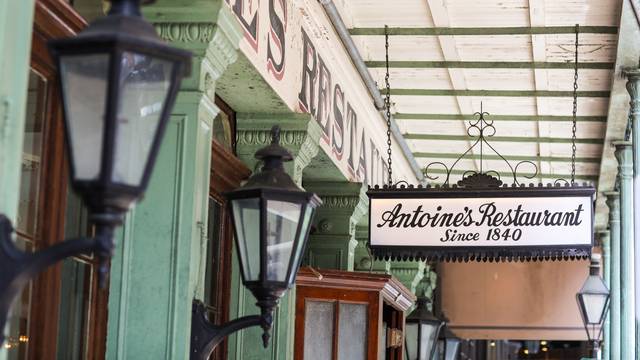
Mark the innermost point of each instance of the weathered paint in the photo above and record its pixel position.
(507, 157)
(605, 244)
(297, 52)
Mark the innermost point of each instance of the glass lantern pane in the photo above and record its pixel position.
(144, 85)
(427, 340)
(594, 307)
(411, 340)
(452, 349)
(306, 222)
(84, 86)
(282, 225)
(246, 217)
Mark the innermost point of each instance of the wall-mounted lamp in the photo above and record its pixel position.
(118, 82)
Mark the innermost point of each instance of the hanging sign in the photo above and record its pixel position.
(500, 223)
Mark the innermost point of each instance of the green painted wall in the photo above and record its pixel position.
(158, 268)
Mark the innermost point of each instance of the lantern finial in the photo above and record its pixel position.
(275, 134)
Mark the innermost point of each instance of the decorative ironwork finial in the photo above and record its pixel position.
(480, 129)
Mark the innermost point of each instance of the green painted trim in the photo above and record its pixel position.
(534, 30)
(489, 64)
(507, 157)
(503, 93)
(524, 139)
(508, 175)
(422, 116)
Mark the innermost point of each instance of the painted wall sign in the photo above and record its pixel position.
(296, 50)
(482, 224)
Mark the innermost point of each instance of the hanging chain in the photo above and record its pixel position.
(575, 111)
(387, 105)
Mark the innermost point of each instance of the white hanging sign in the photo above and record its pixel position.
(500, 223)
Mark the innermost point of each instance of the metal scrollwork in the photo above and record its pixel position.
(481, 129)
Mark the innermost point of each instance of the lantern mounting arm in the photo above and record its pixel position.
(205, 335)
(17, 267)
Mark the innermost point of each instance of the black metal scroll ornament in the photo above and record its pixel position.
(480, 130)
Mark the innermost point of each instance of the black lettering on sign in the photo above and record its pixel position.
(306, 96)
(247, 13)
(276, 39)
(324, 99)
(337, 141)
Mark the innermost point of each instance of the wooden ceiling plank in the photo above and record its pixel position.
(440, 18)
(500, 93)
(549, 118)
(488, 64)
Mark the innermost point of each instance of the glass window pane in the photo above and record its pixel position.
(410, 341)
(246, 213)
(84, 82)
(352, 345)
(74, 309)
(144, 84)
(282, 225)
(318, 330)
(594, 307)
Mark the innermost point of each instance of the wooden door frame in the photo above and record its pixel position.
(56, 19)
(227, 173)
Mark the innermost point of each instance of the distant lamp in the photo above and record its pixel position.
(448, 343)
(593, 301)
(422, 329)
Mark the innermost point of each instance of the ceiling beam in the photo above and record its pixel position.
(497, 93)
(417, 64)
(516, 139)
(564, 159)
(464, 31)
(551, 118)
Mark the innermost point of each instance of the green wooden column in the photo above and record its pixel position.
(613, 202)
(300, 134)
(633, 87)
(604, 240)
(333, 244)
(16, 24)
(627, 303)
(159, 266)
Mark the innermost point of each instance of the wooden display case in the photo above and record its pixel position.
(349, 315)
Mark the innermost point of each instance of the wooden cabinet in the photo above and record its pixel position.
(342, 315)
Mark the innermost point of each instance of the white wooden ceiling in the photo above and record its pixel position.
(439, 81)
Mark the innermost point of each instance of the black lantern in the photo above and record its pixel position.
(593, 301)
(271, 217)
(448, 343)
(422, 329)
(118, 81)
